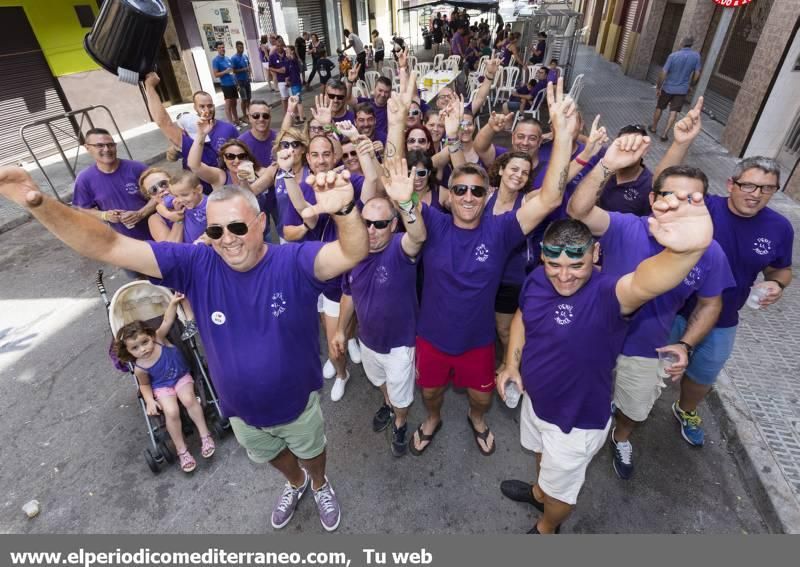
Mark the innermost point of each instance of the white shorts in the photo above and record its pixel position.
(636, 386)
(284, 90)
(565, 456)
(325, 305)
(395, 369)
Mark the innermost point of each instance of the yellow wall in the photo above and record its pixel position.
(59, 33)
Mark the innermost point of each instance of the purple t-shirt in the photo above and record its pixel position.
(630, 197)
(751, 244)
(220, 133)
(194, 221)
(514, 271)
(628, 242)
(381, 118)
(293, 72)
(463, 269)
(263, 153)
(571, 348)
(278, 61)
(260, 327)
(384, 291)
(95, 189)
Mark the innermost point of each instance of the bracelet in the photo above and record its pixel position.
(606, 171)
(307, 227)
(689, 348)
(454, 147)
(780, 284)
(104, 216)
(283, 174)
(490, 78)
(347, 209)
(584, 163)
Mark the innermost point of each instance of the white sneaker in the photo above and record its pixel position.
(328, 371)
(337, 392)
(354, 350)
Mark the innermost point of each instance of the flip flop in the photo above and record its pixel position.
(422, 438)
(664, 138)
(483, 436)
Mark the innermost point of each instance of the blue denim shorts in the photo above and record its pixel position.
(710, 355)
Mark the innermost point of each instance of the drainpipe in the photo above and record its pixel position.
(713, 53)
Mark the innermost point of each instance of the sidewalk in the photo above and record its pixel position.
(756, 398)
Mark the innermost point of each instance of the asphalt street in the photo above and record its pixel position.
(73, 437)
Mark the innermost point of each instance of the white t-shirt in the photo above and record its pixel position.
(358, 45)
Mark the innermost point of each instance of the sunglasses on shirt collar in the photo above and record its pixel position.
(573, 252)
(461, 190)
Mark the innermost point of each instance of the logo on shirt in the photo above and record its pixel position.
(630, 194)
(564, 314)
(693, 277)
(762, 246)
(481, 253)
(218, 318)
(199, 215)
(278, 305)
(381, 275)
(131, 188)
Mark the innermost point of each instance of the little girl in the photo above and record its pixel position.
(164, 379)
(294, 81)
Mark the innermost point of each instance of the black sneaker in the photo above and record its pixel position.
(623, 458)
(399, 441)
(520, 491)
(535, 530)
(382, 418)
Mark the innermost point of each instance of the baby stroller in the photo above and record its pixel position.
(140, 300)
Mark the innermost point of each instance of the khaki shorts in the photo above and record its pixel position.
(636, 386)
(305, 436)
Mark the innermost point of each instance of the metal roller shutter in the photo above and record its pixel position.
(28, 91)
(627, 31)
(311, 19)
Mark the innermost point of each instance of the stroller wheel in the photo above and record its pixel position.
(218, 427)
(166, 452)
(151, 461)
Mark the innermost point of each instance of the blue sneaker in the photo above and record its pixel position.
(622, 453)
(690, 426)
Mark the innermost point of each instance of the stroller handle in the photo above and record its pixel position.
(101, 287)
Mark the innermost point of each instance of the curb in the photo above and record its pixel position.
(760, 470)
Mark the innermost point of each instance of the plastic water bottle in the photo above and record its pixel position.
(665, 360)
(757, 293)
(512, 394)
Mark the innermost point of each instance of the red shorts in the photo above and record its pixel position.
(473, 369)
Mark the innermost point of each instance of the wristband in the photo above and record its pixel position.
(283, 174)
(689, 348)
(454, 147)
(104, 216)
(606, 171)
(307, 227)
(780, 284)
(347, 209)
(584, 163)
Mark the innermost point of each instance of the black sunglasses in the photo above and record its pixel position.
(352, 153)
(379, 224)
(257, 115)
(285, 144)
(336, 96)
(163, 184)
(232, 157)
(417, 141)
(237, 228)
(461, 190)
(414, 112)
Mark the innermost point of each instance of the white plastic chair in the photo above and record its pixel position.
(412, 62)
(360, 90)
(480, 69)
(371, 78)
(457, 59)
(423, 68)
(452, 65)
(577, 87)
(507, 85)
(532, 70)
(437, 61)
(363, 86)
(532, 112)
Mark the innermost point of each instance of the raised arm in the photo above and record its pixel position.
(492, 66)
(452, 152)
(594, 143)
(684, 133)
(169, 316)
(83, 233)
(482, 143)
(682, 225)
(212, 175)
(397, 113)
(171, 130)
(291, 110)
(399, 184)
(366, 158)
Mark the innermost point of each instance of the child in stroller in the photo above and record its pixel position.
(164, 379)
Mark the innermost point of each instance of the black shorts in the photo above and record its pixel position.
(675, 101)
(507, 299)
(379, 56)
(230, 92)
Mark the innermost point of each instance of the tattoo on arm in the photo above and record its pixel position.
(517, 354)
(562, 180)
(390, 150)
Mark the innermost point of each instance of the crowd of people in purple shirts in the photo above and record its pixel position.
(560, 269)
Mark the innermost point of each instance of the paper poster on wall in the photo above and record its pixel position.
(219, 21)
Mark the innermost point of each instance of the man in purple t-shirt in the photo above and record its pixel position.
(254, 304)
(628, 188)
(565, 338)
(109, 189)
(463, 259)
(380, 96)
(626, 241)
(383, 290)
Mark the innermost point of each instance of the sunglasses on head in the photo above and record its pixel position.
(259, 115)
(156, 187)
(379, 224)
(461, 190)
(229, 156)
(335, 96)
(414, 112)
(286, 144)
(573, 252)
(237, 228)
(421, 172)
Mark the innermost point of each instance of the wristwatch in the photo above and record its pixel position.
(689, 348)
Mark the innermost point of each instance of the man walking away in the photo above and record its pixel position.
(681, 70)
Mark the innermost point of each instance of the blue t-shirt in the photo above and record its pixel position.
(221, 63)
(168, 369)
(751, 244)
(384, 291)
(627, 243)
(260, 328)
(463, 269)
(241, 62)
(571, 348)
(679, 68)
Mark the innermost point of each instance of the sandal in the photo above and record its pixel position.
(207, 446)
(664, 138)
(187, 462)
(482, 436)
(422, 439)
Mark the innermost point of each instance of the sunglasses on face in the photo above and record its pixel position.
(461, 190)
(465, 123)
(286, 144)
(414, 112)
(318, 129)
(751, 188)
(231, 157)
(416, 141)
(259, 115)
(421, 172)
(335, 96)
(109, 145)
(237, 228)
(379, 224)
(573, 252)
(350, 154)
(156, 187)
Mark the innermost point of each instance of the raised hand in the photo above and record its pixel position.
(346, 128)
(402, 58)
(500, 122)
(291, 105)
(152, 79)
(377, 146)
(322, 112)
(364, 146)
(453, 115)
(681, 222)
(597, 136)
(285, 160)
(177, 297)
(203, 128)
(408, 88)
(18, 186)
(563, 111)
(687, 128)
(492, 67)
(333, 191)
(626, 151)
(352, 74)
(397, 180)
